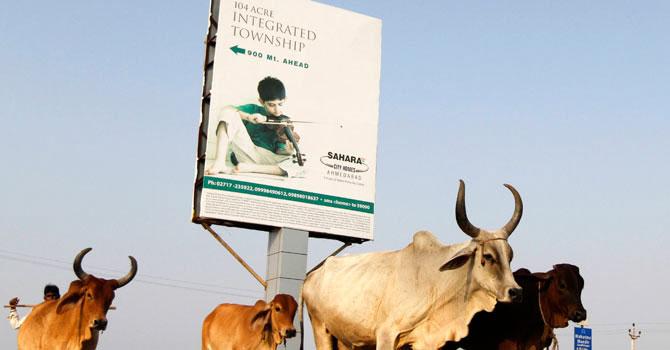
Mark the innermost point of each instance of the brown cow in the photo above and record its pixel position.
(245, 327)
(550, 299)
(73, 321)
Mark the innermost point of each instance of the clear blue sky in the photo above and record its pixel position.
(99, 104)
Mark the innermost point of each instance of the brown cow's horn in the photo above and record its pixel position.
(518, 211)
(129, 277)
(77, 264)
(462, 216)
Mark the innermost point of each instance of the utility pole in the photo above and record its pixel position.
(633, 336)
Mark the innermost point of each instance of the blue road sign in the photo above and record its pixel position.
(583, 338)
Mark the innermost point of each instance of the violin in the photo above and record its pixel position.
(285, 121)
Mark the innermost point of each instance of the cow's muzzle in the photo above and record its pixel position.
(515, 295)
(578, 315)
(99, 325)
(290, 333)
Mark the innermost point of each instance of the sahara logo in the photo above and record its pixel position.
(345, 162)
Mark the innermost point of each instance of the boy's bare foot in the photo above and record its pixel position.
(243, 167)
(219, 169)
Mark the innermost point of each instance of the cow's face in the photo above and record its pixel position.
(488, 262)
(561, 295)
(93, 296)
(492, 271)
(282, 313)
(490, 252)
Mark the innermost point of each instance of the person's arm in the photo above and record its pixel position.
(14, 320)
(252, 118)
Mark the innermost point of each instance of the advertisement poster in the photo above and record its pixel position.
(291, 129)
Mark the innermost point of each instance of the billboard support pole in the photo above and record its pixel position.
(236, 256)
(287, 263)
(337, 251)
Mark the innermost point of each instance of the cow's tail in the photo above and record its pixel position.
(301, 302)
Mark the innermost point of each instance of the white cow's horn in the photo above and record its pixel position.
(461, 216)
(518, 211)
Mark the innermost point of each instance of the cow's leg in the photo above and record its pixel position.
(342, 346)
(386, 338)
(322, 337)
(427, 344)
(422, 344)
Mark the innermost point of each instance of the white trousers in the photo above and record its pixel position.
(240, 143)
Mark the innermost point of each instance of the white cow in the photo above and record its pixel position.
(422, 295)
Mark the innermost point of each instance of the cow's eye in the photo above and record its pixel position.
(489, 258)
(561, 285)
(277, 309)
(89, 296)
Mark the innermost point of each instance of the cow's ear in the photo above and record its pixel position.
(70, 298)
(459, 259)
(522, 272)
(262, 315)
(544, 278)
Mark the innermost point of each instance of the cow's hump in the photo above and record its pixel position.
(425, 240)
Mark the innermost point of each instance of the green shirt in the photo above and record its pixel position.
(262, 135)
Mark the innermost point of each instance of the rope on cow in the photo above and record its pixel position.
(554, 341)
(539, 303)
(481, 244)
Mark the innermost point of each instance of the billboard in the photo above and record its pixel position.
(288, 133)
(583, 338)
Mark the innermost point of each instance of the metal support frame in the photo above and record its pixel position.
(236, 256)
(337, 251)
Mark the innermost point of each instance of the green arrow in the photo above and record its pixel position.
(237, 50)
